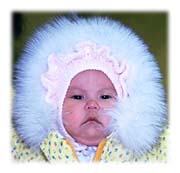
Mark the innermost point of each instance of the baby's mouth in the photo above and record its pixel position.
(92, 121)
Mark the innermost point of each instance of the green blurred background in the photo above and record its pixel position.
(152, 27)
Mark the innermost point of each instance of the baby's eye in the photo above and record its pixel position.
(77, 97)
(105, 97)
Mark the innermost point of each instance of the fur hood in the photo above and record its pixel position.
(138, 119)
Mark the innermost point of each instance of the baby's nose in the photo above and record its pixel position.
(92, 105)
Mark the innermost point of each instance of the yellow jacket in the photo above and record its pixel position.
(54, 149)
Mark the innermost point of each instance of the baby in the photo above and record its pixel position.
(83, 105)
(88, 90)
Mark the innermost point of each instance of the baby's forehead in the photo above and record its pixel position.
(91, 73)
(91, 77)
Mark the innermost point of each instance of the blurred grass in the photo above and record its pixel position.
(152, 27)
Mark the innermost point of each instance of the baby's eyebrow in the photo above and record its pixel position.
(75, 88)
(108, 88)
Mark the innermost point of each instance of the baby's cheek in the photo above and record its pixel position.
(68, 107)
(67, 104)
(106, 120)
(72, 119)
(107, 103)
(66, 121)
(72, 105)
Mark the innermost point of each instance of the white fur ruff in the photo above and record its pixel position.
(137, 119)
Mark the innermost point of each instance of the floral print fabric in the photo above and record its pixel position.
(54, 148)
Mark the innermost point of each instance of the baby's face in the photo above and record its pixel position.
(84, 118)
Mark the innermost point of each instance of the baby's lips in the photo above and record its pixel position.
(92, 120)
(93, 124)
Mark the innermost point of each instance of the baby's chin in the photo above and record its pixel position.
(91, 136)
(89, 142)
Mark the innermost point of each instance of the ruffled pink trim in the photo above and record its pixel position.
(51, 79)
